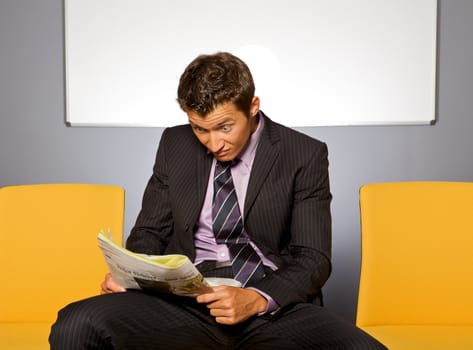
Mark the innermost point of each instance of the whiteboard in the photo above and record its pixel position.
(314, 62)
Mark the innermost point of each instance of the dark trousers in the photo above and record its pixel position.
(137, 320)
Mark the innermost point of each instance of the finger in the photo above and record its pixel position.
(226, 320)
(219, 313)
(104, 289)
(208, 297)
(110, 286)
(115, 287)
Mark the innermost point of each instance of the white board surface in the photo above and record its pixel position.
(315, 62)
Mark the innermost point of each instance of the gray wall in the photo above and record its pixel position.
(37, 147)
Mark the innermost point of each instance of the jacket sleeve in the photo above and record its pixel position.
(154, 224)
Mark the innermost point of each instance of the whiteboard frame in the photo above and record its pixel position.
(85, 46)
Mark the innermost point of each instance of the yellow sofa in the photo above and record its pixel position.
(49, 254)
(416, 283)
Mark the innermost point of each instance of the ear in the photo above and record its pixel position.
(254, 107)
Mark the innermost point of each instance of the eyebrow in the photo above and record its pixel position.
(223, 122)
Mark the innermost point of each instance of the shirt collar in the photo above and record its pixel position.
(248, 155)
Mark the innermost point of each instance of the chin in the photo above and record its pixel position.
(226, 156)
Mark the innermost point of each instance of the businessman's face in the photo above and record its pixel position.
(226, 130)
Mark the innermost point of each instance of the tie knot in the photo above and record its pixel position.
(224, 164)
(227, 164)
(222, 173)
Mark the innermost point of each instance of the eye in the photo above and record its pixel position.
(226, 128)
(199, 130)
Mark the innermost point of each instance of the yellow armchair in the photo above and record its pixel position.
(49, 254)
(416, 283)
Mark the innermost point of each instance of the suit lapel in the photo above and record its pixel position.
(266, 154)
(202, 173)
(204, 163)
(192, 185)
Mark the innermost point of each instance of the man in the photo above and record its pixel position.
(276, 187)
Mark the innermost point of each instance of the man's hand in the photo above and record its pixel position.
(232, 305)
(110, 286)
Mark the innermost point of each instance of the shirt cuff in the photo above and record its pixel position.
(272, 305)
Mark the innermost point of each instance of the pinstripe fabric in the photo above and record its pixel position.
(140, 321)
(287, 206)
(287, 215)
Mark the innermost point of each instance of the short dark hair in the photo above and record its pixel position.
(211, 80)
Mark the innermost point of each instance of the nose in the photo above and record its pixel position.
(214, 143)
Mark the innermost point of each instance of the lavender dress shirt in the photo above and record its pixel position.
(206, 247)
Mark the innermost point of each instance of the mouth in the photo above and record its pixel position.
(221, 154)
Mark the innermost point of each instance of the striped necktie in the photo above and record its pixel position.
(228, 227)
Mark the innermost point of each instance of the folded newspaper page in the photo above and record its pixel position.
(156, 273)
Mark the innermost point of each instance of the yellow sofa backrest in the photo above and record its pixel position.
(49, 254)
(417, 254)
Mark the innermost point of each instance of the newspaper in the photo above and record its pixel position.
(156, 273)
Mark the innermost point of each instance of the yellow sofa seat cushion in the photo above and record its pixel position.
(48, 246)
(24, 336)
(49, 255)
(423, 337)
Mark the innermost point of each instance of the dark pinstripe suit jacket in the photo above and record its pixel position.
(287, 208)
